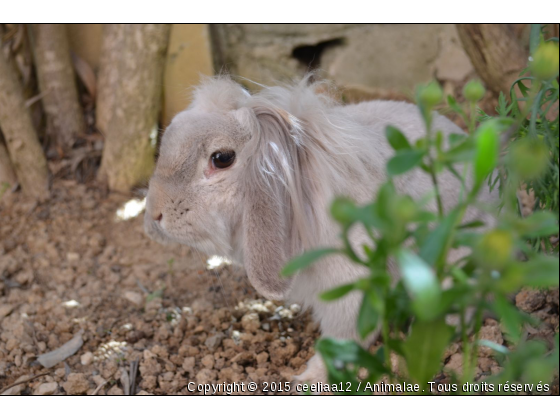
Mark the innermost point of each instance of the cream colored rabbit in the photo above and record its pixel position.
(251, 177)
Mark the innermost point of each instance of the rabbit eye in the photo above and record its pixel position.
(222, 160)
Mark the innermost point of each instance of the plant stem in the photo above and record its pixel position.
(465, 340)
(436, 187)
(477, 326)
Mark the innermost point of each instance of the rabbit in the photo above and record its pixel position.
(251, 177)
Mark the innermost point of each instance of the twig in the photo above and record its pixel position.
(133, 370)
(99, 387)
(24, 381)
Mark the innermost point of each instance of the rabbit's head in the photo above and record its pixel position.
(233, 179)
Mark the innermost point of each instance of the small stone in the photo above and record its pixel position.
(48, 388)
(188, 364)
(455, 364)
(205, 376)
(134, 297)
(490, 331)
(262, 358)
(250, 322)
(529, 300)
(115, 390)
(142, 392)
(5, 310)
(16, 390)
(77, 384)
(208, 361)
(214, 341)
(72, 257)
(86, 358)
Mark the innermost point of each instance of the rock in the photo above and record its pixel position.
(529, 300)
(48, 388)
(205, 376)
(250, 322)
(76, 384)
(134, 297)
(5, 310)
(115, 390)
(142, 392)
(16, 390)
(455, 364)
(262, 358)
(490, 331)
(207, 361)
(486, 364)
(86, 358)
(72, 257)
(452, 63)
(188, 364)
(214, 341)
(402, 55)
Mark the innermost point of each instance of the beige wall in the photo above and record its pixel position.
(188, 57)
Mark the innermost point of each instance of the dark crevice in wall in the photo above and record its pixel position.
(310, 55)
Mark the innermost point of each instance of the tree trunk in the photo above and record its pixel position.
(58, 83)
(25, 151)
(7, 175)
(128, 155)
(113, 35)
(495, 53)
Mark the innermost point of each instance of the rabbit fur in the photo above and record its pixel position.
(295, 151)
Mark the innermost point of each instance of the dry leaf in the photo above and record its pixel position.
(63, 352)
(86, 74)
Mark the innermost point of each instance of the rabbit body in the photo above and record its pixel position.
(294, 151)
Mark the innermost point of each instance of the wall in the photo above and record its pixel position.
(365, 60)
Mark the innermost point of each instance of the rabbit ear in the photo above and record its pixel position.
(265, 241)
(218, 93)
(273, 213)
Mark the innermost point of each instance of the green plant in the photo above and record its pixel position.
(411, 313)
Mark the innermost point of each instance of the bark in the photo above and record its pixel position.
(128, 155)
(113, 35)
(27, 157)
(495, 53)
(58, 84)
(7, 175)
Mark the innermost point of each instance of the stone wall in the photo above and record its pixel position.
(376, 56)
(374, 60)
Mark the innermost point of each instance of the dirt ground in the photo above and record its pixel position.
(151, 318)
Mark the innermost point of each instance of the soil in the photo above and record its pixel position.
(152, 318)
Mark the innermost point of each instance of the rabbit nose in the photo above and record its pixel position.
(157, 217)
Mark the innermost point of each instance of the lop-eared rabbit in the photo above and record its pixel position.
(251, 178)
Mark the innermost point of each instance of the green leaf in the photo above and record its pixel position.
(455, 138)
(424, 349)
(455, 106)
(368, 317)
(396, 138)
(541, 271)
(436, 242)
(348, 351)
(461, 152)
(337, 292)
(472, 225)
(540, 223)
(404, 161)
(305, 260)
(421, 282)
(534, 38)
(487, 151)
(344, 210)
(494, 346)
(509, 316)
